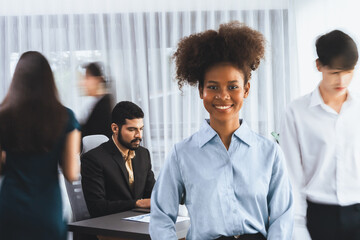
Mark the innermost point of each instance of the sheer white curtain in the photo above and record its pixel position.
(136, 39)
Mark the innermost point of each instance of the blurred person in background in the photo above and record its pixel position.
(320, 137)
(97, 119)
(37, 134)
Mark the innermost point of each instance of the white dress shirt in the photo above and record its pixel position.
(322, 151)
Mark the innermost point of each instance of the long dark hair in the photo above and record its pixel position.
(31, 115)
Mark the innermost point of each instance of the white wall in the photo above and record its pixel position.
(314, 18)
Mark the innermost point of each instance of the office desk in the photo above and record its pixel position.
(114, 225)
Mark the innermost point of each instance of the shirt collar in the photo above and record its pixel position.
(316, 98)
(350, 96)
(244, 133)
(131, 153)
(207, 133)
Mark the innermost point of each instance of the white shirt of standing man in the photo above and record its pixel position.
(320, 138)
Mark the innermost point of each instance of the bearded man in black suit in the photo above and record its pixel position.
(117, 175)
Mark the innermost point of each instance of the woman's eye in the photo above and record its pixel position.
(233, 87)
(212, 87)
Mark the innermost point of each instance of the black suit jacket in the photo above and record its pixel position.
(105, 180)
(99, 120)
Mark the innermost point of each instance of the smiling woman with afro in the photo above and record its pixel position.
(232, 180)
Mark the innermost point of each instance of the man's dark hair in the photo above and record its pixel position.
(125, 110)
(337, 50)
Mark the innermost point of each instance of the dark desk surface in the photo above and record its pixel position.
(114, 225)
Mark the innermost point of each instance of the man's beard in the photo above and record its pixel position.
(128, 145)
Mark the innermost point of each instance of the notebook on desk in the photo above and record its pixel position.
(146, 218)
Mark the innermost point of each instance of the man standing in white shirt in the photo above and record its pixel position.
(320, 137)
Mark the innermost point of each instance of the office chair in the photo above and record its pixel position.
(92, 141)
(74, 189)
(77, 201)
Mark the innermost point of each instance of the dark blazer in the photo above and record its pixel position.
(105, 180)
(99, 120)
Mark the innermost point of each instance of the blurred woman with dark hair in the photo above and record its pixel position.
(98, 120)
(37, 133)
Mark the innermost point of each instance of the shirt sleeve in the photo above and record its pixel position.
(291, 147)
(165, 200)
(280, 201)
(72, 122)
(150, 180)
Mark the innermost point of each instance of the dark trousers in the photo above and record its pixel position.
(333, 222)
(257, 236)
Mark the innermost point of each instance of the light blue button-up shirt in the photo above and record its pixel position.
(242, 190)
